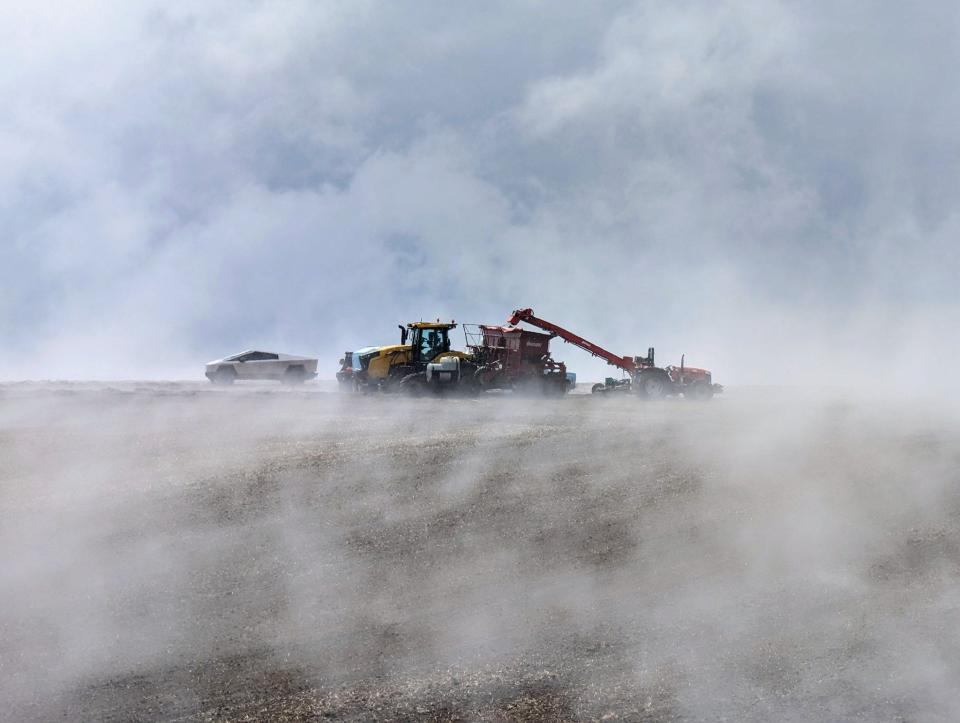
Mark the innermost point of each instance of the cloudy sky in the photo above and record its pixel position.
(769, 187)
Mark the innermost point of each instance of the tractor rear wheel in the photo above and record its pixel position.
(652, 385)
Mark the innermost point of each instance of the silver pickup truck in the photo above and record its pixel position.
(285, 368)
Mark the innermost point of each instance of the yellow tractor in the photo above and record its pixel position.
(386, 367)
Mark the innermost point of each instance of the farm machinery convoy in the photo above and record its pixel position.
(506, 357)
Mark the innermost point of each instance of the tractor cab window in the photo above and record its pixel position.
(433, 342)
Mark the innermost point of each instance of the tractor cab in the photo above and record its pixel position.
(427, 339)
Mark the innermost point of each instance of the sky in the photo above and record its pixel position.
(768, 187)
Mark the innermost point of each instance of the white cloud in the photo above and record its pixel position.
(180, 177)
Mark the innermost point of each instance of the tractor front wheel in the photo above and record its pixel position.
(698, 391)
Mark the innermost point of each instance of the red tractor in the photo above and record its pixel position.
(645, 378)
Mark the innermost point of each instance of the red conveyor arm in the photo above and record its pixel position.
(624, 362)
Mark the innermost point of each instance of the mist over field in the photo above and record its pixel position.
(771, 189)
(175, 552)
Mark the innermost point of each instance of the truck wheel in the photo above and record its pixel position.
(598, 388)
(224, 376)
(294, 375)
(651, 386)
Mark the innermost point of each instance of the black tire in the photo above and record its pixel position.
(396, 376)
(598, 388)
(224, 376)
(699, 391)
(554, 386)
(471, 390)
(294, 375)
(528, 387)
(413, 385)
(652, 385)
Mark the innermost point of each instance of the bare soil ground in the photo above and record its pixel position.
(173, 552)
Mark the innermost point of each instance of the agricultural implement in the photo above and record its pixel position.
(644, 377)
(496, 358)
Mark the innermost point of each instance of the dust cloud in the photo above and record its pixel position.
(172, 551)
